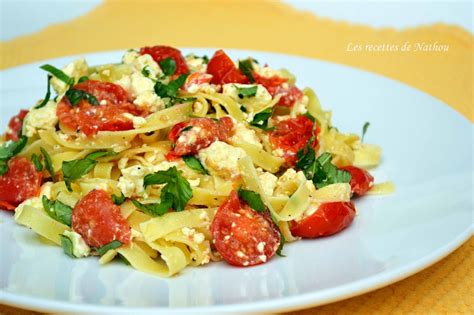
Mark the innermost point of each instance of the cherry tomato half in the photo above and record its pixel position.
(328, 219)
(19, 183)
(243, 236)
(361, 180)
(99, 221)
(223, 69)
(159, 53)
(15, 125)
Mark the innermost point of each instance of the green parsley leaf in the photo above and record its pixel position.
(47, 162)
(247, 91)
(179, 100)
(205, 59)
(177, 188)
(282, 244)
(75, 169)
(36, 162)
(118, 200)
(193, 163)
(154, 209)
(364, 130)
(8, 150)
(168, 66)
(75, 96)
(170, 89)
(146, 71)
(99, 154)
(83, 79)
(67, 246)
(253, 199)
(246, 67)
(47, 96)
(112, 245)
(58, 74)
(57, 210)
(260, 119)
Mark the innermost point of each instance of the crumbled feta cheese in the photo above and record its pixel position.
(130, 56)
(204, 216)
(41, 118)
(266, 71)
(263, 258)
(196, 63)
(187, 231)
(207, 256)
(79, 247)
(204, 88)
(164, 166)
(150, 100)
(75, 69)
(140, 84)
(261, 247)
(131, 181)
(137, 121)
(221, 159)
(278, 152)
(262, 96)
(125, 82)
(244, 134)
(198, 238)
(300, 107)
(268, 182)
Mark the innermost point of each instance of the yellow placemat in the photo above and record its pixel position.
(437, 59)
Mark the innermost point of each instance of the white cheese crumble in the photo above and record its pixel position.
(196, 63)
(79, 247)
(300, 107)
(131, 181)
(266, 71)
(244, 134)
(150, 100)
(35, 202)
(137, 121)
(41, 118)
(262, 96)
(140, 62)
(221, 159)
(268, 182)
(75, 69)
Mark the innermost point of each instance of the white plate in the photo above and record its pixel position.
(427, 153)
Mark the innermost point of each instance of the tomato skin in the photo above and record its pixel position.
(99, 221)
(361, 180)
(15, 125)
(209, 131)
(291, 135)
(238, 230)
(197, 78)
(91, 119)
(19, 183)
(160, 52)
(223, 69)
(272, 84)
(289, 96)
(329, 219)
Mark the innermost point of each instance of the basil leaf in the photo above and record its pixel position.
(112, 245)
(3, 167)
(154, 209)
(75, 96)
(57, 210)
(47, 96)
(253, 199)
(67, 246)
(247, 69)
(364, 130)
(47, 162)
(36, 162)
(8, 150)
(83, 79)
(145, 71)
(193, 163)
(99, 154)
(58, 74)
(170, 89)
(75, 169)
(205, 59)
(260, 119)
(177, 188)
(246, 91)
(282, 244)
(168, 66)
(118, 200)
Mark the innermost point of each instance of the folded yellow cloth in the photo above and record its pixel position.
(437, 59)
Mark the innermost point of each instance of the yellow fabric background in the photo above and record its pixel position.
(446, 287)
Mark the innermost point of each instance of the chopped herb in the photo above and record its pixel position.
(123, 259)
(75, 169)
(99, 154)
(57, 210)
(154, 209)
(47, 96)
(247, 91)
(205, 59)
(67, 246)
(177, 189)
(260, 119)
(170, 89)
(246, 67)
(8, 150)
(83, 79)
(186, 129)
(282, 244)
(179, 100)
(253, 199)
(118, 200)
(193, 163)
(37, 163)
(168, 66)
(112, 245)
(58, 74)
(243, 109)
(146, 71)
(48, 163)
(75, 96)
(364, 130)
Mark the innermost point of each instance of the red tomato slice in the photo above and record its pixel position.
(99, 220)
(243, 236)
(159, 53)
(90, 118)
(289, 96)
(15, 125)
(272, 84)
(203, 133)
(291, 135)
(361, 180)
(19, 183)
(329, 219)
(197, 78)
(223, 69)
